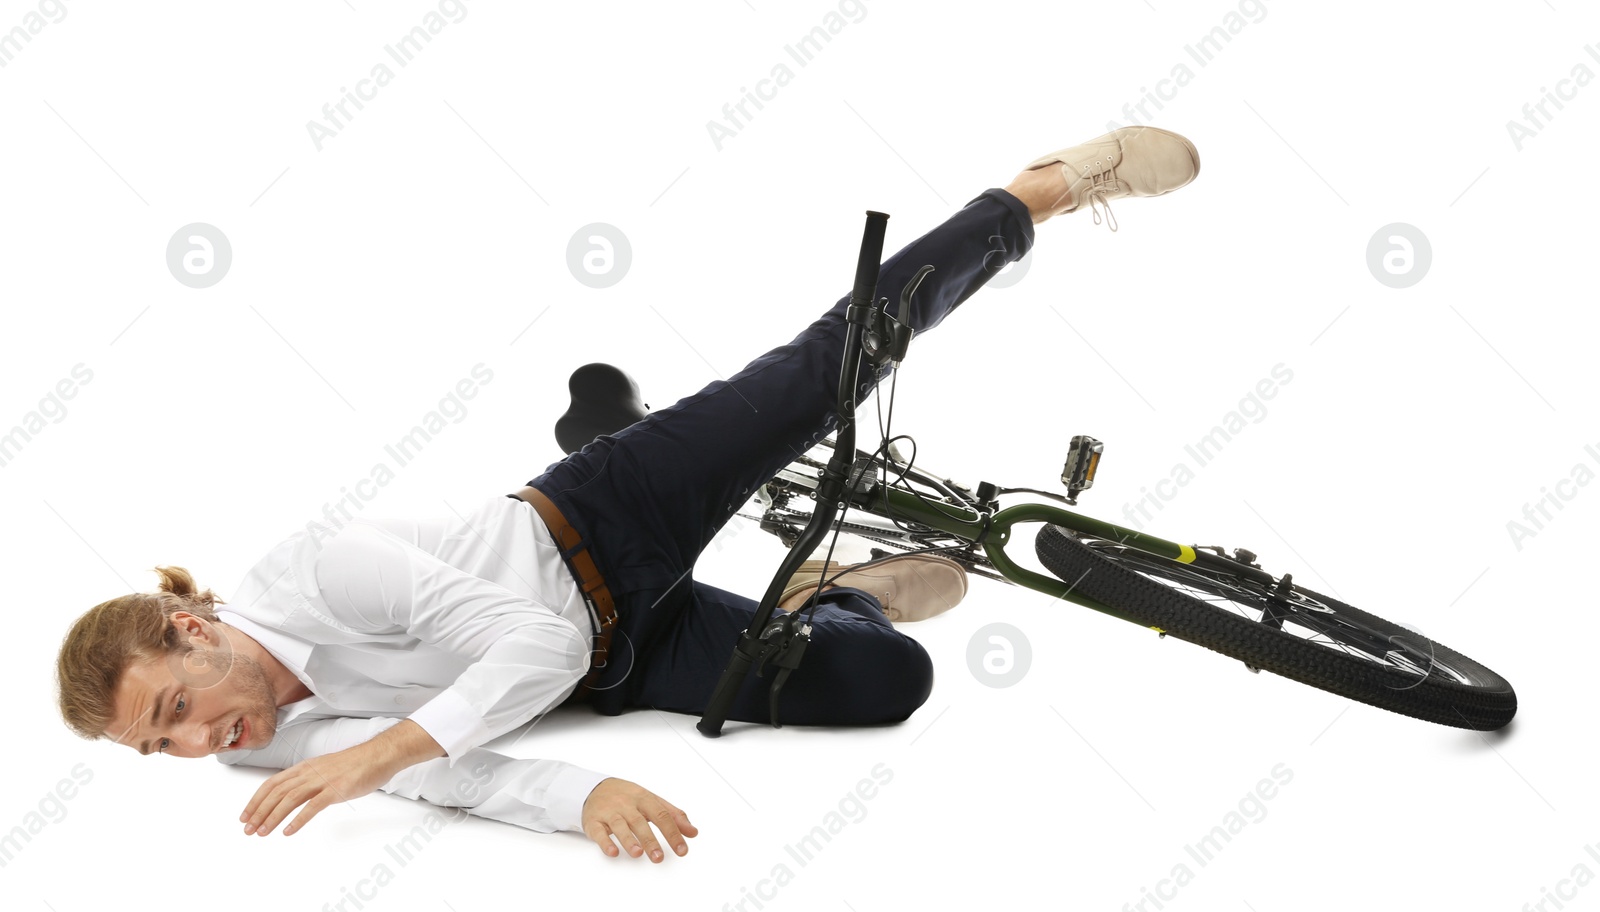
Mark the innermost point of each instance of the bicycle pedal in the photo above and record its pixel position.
(1083, 458)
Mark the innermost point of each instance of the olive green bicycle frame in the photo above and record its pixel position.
(967, 524)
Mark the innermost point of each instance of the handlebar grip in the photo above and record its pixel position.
(866, 287)
(722, 698)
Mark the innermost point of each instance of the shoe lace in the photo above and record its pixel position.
(1100, 195)
(1099, 186)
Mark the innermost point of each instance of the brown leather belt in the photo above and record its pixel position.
(575, 550)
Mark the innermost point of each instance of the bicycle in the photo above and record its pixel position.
(1196, 593)
(1199, 594)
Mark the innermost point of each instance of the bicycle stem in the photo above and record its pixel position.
(830, 494)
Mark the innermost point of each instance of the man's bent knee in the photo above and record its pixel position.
(910, 683)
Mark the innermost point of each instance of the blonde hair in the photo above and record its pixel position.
(117, 633)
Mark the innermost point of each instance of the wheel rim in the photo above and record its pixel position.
(1302, 614)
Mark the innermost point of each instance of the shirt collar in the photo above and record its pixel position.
(292, 651)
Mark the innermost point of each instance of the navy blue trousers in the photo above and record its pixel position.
(649, 498)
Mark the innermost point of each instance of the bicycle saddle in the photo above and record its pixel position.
(604, 401)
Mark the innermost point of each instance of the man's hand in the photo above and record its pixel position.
(317, 783)
(621, 808)
(341, 776)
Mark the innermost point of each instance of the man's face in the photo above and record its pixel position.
(195, 700)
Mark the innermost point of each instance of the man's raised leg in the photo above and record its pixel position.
(653, 496)
(684, 469)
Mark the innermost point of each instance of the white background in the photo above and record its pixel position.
(369, 277)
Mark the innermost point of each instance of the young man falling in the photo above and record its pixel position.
(385, 656)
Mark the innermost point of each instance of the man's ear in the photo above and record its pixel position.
(197, 669)
(192, 627)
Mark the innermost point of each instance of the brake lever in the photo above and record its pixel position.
(900, 334)
(911, 287)
(786, 639)
(887, 338)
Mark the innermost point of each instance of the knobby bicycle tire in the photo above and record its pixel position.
(1123, 580)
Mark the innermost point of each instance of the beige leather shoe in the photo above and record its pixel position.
(909, 587)
(1131, 161)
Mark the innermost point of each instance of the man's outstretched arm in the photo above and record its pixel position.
(338, 775)
(545, 796)
(524, 657)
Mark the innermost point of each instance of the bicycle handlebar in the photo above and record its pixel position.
(750, 646)
(866, 286)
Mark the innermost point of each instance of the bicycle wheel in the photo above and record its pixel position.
(1285, 629)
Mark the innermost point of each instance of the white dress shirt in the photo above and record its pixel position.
(469, 627)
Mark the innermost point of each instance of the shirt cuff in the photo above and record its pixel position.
(566, 794)
(450, 720)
